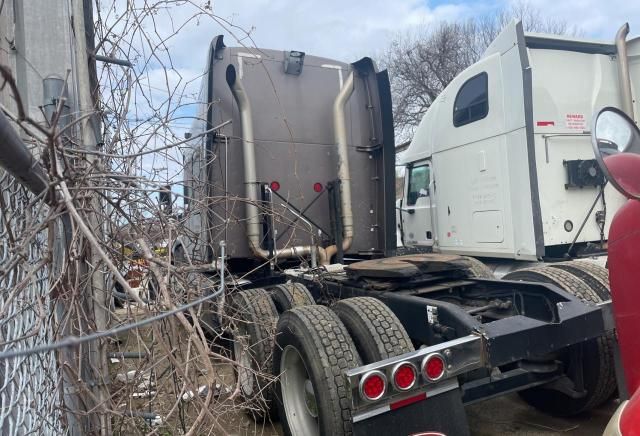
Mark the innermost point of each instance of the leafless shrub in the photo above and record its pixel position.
(90, 270)
(422, 63)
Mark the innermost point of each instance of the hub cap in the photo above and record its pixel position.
(298, 394)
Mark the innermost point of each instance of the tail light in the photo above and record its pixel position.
(405, 375)
(433, 367)
(373, 386)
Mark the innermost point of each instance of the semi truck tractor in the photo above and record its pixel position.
(501, 165)
(289, 196)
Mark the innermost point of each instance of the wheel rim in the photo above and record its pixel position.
(298, 395)
(242, 358)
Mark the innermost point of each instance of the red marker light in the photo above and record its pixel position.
(373, 385)
(275, 186)
(433, 367)
(404, 376)
(318, 187)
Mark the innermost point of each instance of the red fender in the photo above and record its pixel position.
(624, 278)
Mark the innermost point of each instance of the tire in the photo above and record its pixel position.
(252, 322)
(597, 358)
(595, 276)
(376, 332)
(179, 257)
(290, 295)
(312, 350)
(152, 288)
(477, 269)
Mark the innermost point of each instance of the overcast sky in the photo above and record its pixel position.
(349, 29)
(342, 29)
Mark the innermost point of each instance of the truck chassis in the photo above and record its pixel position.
(496, 337)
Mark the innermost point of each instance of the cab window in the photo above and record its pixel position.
(418, 184)
(472, 101)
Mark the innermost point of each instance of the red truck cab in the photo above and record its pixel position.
(616, 142)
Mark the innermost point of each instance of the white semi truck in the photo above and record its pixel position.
(289, 184)
(501, 166)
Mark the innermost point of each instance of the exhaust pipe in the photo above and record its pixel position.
(340, 132)
(623, 70)
(250, 178)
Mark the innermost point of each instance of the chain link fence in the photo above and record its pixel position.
(29, 394)
(104, 332)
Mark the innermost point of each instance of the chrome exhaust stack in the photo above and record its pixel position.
(250, 178)
(251, 182)
(344, 174)
(624, 79)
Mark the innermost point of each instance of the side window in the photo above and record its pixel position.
(418, 184)
(472, 101)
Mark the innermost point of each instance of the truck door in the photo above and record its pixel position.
(416, 211)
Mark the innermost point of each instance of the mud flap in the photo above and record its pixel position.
(443, 413)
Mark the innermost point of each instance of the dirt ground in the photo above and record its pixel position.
(507, 415)
(510, 415)
(501, 416)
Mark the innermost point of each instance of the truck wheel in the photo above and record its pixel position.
(179, 257)
(252, 322)
(595, 276)
(597, 358)
(151, 287)
(376, 331)
(312, 350)
(477, 269)
(290, 295)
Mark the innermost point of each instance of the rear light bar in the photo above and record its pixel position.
(402, 380)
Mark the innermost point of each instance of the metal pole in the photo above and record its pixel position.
(98, 298)
(16, 158)
(221, 299)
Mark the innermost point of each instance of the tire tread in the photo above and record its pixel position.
(336, 352)
(606, 382)
(377, 333)
(254, 309)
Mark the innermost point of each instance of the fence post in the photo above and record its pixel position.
(89, 135)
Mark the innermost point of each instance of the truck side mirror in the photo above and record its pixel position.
(616, 144)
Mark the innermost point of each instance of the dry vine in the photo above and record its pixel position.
(95, 248)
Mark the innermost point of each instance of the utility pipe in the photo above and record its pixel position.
(16, 158)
